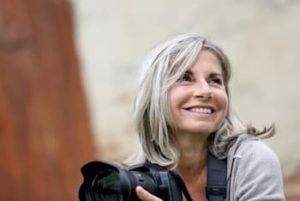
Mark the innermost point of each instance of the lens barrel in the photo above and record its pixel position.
(106, 182)
(106, 185)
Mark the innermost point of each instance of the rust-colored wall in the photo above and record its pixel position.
(44, 127)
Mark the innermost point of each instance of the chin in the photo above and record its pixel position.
(203, 128)
(202, 131)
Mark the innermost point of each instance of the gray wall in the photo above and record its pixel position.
(261, 38)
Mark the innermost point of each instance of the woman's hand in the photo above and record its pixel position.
(145, 195)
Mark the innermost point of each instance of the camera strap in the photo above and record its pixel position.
(181, 186)
(216, 179)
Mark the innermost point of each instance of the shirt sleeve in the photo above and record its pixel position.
(259, 175)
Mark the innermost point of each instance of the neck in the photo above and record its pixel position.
(192, 163)
(193, 154)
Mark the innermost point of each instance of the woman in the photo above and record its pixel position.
(183, 112)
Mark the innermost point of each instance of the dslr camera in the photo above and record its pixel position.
(106, 182)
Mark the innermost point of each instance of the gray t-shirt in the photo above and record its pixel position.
(254, 172)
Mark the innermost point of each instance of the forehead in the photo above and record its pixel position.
(207, 61)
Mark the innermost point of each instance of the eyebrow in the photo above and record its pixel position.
(189, 72)
(213, 74)
(216, 74)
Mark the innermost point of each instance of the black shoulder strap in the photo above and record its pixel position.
(216, 179)
(181, 185)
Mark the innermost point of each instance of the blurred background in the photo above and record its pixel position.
(69, 71)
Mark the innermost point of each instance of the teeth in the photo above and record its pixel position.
(201, 110)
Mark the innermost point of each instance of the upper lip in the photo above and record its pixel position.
(201, 106)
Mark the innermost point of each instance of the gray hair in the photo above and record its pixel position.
(152, 117)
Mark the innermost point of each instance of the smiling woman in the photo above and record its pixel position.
(183, 113)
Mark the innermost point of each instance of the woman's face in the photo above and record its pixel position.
(198, 100)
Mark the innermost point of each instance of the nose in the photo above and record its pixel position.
(202, 90)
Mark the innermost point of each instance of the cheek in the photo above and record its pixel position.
(176, 99)
(172, 105)
(225, 102)
(222, 102)
(175, 96)
(171, 102)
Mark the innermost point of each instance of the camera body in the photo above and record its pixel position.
(104, 181)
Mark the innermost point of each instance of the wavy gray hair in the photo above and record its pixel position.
(163, 67)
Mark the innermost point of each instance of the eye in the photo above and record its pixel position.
(216, 81)
(186, 77)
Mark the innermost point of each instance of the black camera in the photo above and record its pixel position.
(103, 181)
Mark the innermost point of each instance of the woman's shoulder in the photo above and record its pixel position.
(252, 151)
(250, 162)
(254, 145)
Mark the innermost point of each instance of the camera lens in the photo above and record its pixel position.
(106, 182)
(106, 186)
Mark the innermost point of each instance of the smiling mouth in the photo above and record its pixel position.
(201, 110)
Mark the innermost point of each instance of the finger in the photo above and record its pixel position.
(145, 195)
